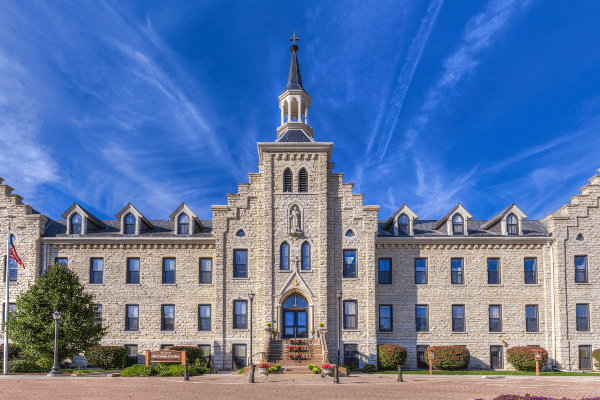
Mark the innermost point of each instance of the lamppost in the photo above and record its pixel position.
(336, 378)
(55, 370)
(251, 297)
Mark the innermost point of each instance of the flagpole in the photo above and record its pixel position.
(6, 303)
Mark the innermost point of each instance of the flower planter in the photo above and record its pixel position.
(264, 371)
(327, 372)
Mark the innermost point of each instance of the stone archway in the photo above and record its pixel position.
(295, 316)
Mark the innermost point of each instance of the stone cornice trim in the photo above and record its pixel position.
(269, 147)
(127, 240)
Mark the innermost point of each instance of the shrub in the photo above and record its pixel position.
(241, 371)
(45, 364)
(316, 370)
(107, 357)
(273, 369)
(350, 368)
(278, 366)
(449, 358)
(138, 370)
(370, 367)
(311, 367)
(596, 356)
(26, 366)
(13, 352)
(193, 354)
(523, 357)
(391, 355)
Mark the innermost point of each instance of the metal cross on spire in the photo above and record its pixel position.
(294, 38)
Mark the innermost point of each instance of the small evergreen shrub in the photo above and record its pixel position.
(449, 358)
(523, 357)
(13, 352)
(193, 354)
(370, 367)
(350, 368)
(391, 355)
(45, 364)
(107, 357)
(26, 366)
(138, 370)
(596, 357)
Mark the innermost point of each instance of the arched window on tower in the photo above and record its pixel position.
(349, 233)
(512, 225)
(285, 256)
(130, 224)
(457, 225)
(303, 181)
(306, 256)
(184, 224)
(76, 224)
(287, 180)
(403, 225)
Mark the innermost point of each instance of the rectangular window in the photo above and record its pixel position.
(457, 270)
(205, 352)
(133, 270)
(422, 318)
(495, 318)
(64, 261)
(240, 314)
(206, 270)
(581, 275)
(585, 357)
(493, 265)
(11, 308)
(239, 356)
(204, 318)
(349, 264)
(421, 362)
(385, 318)
(420, 271)
(98, 310)
(385, 270)
(169, 270)
(13, 270)
(530, 271)
(240, 269)
(458, 318)
(132, 354)
(168, 318)
(132, 317)
(531, 314)
(350, 314)
(97, 270)
(165, 346)
(351, 354)
(583, 317)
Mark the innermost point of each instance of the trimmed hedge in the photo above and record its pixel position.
(13, 352)
(391, 355)
(596, 357)
(107, 357)
(192, 353)
(449, 358)
(162, 369)
(523, 357)
(138, 370)
(26, 366)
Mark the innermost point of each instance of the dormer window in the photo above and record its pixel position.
(303, 181)
(512, 225)
(130, 224)
(184, 224)
(403, 225)
(287, 180)
(76, 224)
(457, 225)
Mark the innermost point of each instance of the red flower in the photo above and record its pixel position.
(327, 366)
(290, 348)
(298, 348)
(264, 365)
(298, 356)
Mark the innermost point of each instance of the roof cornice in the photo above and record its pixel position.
(270, 147)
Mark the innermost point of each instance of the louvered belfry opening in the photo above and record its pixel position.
(287, 180)
(303, 181)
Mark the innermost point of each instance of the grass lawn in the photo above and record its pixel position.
(542, 373)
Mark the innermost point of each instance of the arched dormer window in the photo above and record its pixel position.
(130, 224)
(183, 224)
(287, 180)
(285, 256)
(303, 180)
(306, 256)
(579, 237)
(403, 228)
(240, 233)
(512, 227)
(457, 225)
(76, 224)
(349, 233)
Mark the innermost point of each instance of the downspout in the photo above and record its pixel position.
(553, 312)
(43, 258)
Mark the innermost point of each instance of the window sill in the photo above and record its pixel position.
(533, 332)
(305, 271)
(495, 284)
(386, 332)
(96, 284)
(204, 330)
(241, 279)
(532, 284)
(385, 284)
(168, 284)
(206, 284)
(240, 329)
(426, 332)
(350, 279)
(285, 271)
(134, 284)
(496, 332)
(583, 283)
(459, 333)
(351, 330)
(173, 331)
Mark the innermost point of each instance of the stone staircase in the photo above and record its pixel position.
(310, 351)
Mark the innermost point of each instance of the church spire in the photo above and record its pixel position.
(294, 103)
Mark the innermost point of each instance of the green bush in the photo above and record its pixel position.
(370, 367)
(311, 367)
(13, 352)
(107, 357)
(391, 355)
(45, 364)
(316, 370)
(596, 356)
(449, 358)
(350, 367)
(273, 369)
(523, 357)
(193, 354)
(26, 366)
(138, 370)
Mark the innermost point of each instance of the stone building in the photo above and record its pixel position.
(296, 235)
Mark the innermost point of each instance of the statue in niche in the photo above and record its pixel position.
(295, 221)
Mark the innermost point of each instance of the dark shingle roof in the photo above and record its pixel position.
(161, 229)
(294, 78)
(424, 228)
(294, 135)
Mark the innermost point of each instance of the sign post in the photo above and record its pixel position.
(538, 357)
(430, 362)
(165, 356)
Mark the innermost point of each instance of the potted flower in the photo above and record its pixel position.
(264, 369)
(298, 356)
(292, 341)
(291, 348)
(321, 324)
(268, 328)
(298, 348)
(327, 369)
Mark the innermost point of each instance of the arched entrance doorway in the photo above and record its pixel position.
(295, 317)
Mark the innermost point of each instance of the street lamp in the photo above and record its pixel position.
(251, 297)
(55, 370)
(339, 296)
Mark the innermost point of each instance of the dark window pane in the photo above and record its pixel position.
(531, 314)
(350, 315)
(511, 225)
(306, 256)
(240, 269)
(168, 318)
(240, 312)
(420, 271)
(495, 319)
(169, 270)
(204, 318)
(287, 180)
(403, 227)
(76, 224)
(530, 270)
(457, 276)
(349, 264)
(493, 271)
(351, 354)
(385, 318)
(458, 318)
(385, 270)
(581, 269)
(132, 318)
(421, 318)
(285, 256)
(184, 224)
(133, 270)
(303, 181)
(585, 357)
(97, 270)
(457, 225)
(130, 224)
(206, 270)
(582, 317)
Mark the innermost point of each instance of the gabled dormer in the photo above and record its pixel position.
(132, 221)
(510, 220)
(185, 222)
(80, 221)
(456, 221)
(402, 221)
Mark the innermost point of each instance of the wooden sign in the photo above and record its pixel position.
(431, 354)
(165, 356)
(430, 362)
(538, 356)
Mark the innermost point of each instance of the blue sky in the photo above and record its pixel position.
(429, 103)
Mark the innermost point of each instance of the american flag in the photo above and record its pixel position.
(13, 252)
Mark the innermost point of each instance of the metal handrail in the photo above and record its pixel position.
(323, 343)
(262, 354)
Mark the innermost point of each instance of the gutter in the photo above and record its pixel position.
(553, 310)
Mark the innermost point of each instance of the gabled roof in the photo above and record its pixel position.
(508, 210)
(183, 207)
(129, 208)
(456, 208)
(294, 79)
(85, 213)
(294, 135)
(404, 209)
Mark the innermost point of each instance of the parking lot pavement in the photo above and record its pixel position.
(359, 386)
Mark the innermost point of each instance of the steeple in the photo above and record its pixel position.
(294, 103)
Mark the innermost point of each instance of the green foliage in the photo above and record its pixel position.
(138, 370)
(13, 351)
(370, 368)
(31, 326)
(391, 355)
(193, 354)
(241, 371)
(45, 363)
(107, 357)
(311, 367)
(523, 357)
(26, 366)
(163, 369)
(278, 366)
(273, 369)
(350, 368)
(316, 370)
(449, 358)
(596, 356)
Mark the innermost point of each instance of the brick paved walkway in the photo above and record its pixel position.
(280, 386)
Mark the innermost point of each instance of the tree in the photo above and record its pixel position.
(31, 326)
